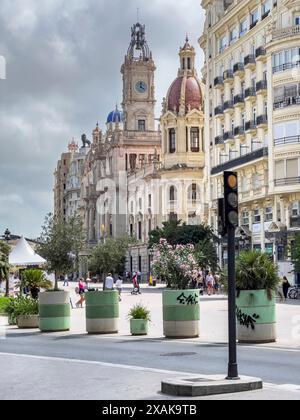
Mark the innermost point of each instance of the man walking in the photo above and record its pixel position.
(109, 282)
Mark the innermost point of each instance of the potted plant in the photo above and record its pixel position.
(178, 267)
(24, 312)
(256, 282)
(139, 317)
(102, 311)
(9, 310)
(35, 280)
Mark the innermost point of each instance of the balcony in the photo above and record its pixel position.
(261, 86)
(285, 102)
(250, 93)
(295, 222)
(262, 121)
(238, 69)
(260, 53)
(219, 140)
(287, 181)
(218, 82)
(250, 126)
(287, 140)
(250, 62)
(228, 75)
(286, 32)
(219, 110)
(228, 136)
(286, 66)
(239, 131)
(239, 100)
(228, 106)
(242, 160)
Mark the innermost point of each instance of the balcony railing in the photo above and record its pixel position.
(286, 32)
(264, 15)
(261, 85)
(260, 52)
(284, 102)
(219, 110)
(238, 67)
(262, 120)
(228, 136)
(249, 60)
(287, 181)
(218, 81)
(253, 24)
(219, 140)
(250, 125)
(239, 99)
(242, 160)
(295, 222)
(228, 105)
(228, 75)
(286, 66)
(239, 131)
(250, 92)
(287, 140)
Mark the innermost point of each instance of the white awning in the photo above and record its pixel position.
(23, 255)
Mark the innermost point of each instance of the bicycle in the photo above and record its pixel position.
(294, 292)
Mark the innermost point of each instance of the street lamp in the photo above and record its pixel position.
(7, 237)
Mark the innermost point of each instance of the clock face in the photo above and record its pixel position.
(141, 87)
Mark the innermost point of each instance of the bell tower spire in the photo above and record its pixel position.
(138, 83)
(187, 56)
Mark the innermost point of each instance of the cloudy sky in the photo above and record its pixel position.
(63, 75)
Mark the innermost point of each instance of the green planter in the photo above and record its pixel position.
(256, 317)
(139, 326)
(54, 311)
(102, 312)
(181, 313)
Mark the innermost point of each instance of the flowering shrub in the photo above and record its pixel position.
(175, 264)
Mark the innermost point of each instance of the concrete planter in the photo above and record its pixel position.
(55, 311)
(181, 313)
(139, 326)
(28, 321)
(256, 317)
(102, 312)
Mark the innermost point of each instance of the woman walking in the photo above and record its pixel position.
(285, 287)
(81, 290)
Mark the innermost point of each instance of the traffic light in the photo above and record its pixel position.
(221, 217)
(231, 202)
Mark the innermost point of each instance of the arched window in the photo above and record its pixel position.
(172, 140)
(195, 141)
(194, 193)
(189, 63)
(173, 193)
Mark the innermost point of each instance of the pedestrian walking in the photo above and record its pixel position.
(66, 281)
(109, 282)
(81, 291)
(210, 282)
(285, 287)
(119, 285)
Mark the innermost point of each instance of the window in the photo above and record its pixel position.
(141, 125)
(131, 229)
(140, 263)
(254, 115)
(292, 168)
(256, 216)
(256, 184)
(233, 35)
(189, 63)
(140, 231)
(173, 193)
(140, 203)
(243, 27)
(193, 192)
(149, 200)
(296, 209)
(266, 7)
(172, 140)
(195, 145)
(245, 218)
(279, 169)
(297, 20)
(268, 214)
(254, 17)
(223, 43)
(149, 225)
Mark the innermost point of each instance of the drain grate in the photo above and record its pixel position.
(178, 354)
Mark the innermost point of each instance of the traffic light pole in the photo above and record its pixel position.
(232, 365)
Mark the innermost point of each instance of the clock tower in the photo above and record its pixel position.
(138, 83)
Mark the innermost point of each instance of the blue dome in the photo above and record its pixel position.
(115, 116)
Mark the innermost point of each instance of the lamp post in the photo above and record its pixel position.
(7, 236)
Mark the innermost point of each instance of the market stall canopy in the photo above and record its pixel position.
(23, 255)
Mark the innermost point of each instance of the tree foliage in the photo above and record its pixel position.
(201, 236)
(60, 240)
(110, 256)
(35, 280)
